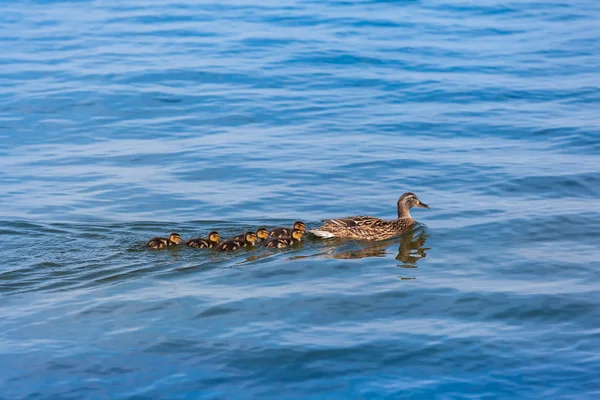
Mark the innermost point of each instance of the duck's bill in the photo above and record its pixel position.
(422, 205)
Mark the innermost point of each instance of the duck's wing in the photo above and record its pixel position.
(230, 245)
(157, 243)
(272, 242)
(357, 227)
(197, 242)
(359, 221)
(278, 243)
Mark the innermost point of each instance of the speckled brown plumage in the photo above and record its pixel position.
(371, 228)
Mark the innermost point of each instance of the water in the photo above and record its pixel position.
(123, 122)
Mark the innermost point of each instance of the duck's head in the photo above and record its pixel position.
(407, 201)
(262, 233)
(175, 238)
(214, 237)
(250, 237)
(300, 226)
(297, 234)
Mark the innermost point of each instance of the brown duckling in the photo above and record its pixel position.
(278, 243)
(161, 243)
(287, 232)
(232, 245)
(261, 234)
(210, 242)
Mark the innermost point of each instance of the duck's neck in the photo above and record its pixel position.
(403, 212)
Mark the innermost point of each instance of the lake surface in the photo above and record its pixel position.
(120, 121)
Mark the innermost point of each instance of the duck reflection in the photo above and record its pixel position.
(412, 247)
(410, 250)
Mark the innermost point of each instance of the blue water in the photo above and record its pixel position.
(120, 121)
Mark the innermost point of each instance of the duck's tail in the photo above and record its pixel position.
(322, 234)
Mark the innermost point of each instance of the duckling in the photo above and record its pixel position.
(286, 232)
(210, 242)
(261, 234)
(278, 243)
(232, 245)
(161, 243)
(371, 228)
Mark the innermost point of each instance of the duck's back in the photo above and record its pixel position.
(199, 243)
(280, 232)
(231, 245)
(157, 243)
(236, 237)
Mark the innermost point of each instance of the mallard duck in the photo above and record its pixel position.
(281, 232)
(210, 242)
(279, 243)
(371, 228)
(261, 234)
(232, 245)
(161, 243)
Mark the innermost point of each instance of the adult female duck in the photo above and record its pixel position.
(371, 228)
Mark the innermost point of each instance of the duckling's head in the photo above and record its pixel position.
(407, 201)
(214, 237)
(297, 234)
(175, 238)
(300, 226)
(250, 237)
(262, 233)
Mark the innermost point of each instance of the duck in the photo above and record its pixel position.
(281, 232)
(278, 243)
(232, 245)
(161, 242)
(210, 242)
(261, 234)
(371, 228)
